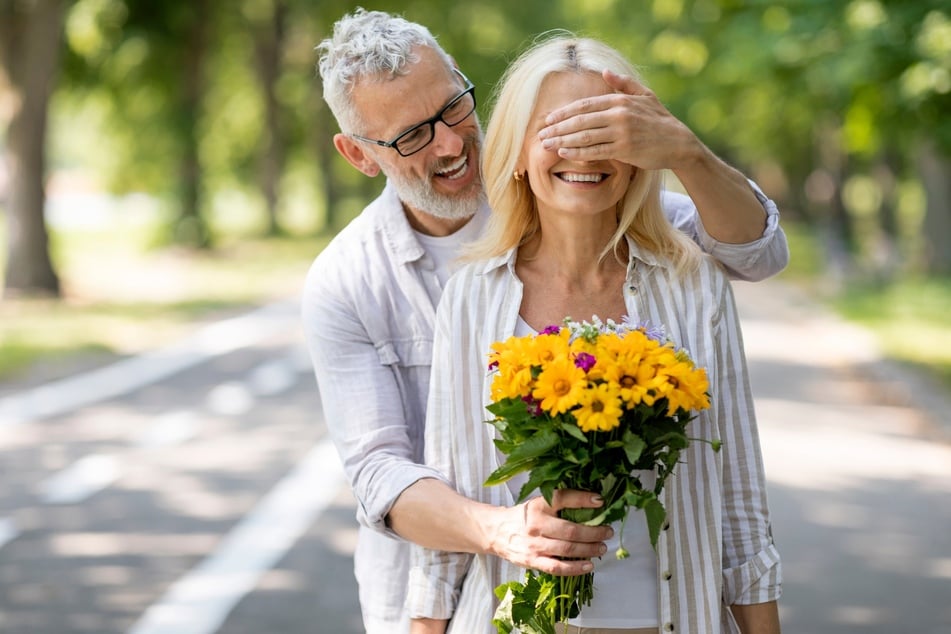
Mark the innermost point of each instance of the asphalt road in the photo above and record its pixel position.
(194, 491)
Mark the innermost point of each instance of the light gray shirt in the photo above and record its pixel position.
(368, 308)
(716, 548)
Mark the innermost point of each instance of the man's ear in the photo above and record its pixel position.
(353, 151)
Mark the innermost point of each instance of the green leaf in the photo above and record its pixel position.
(535, 446)
(572, 429)
(633, 446)
(655, 513)
(509, 409)
(508, 471)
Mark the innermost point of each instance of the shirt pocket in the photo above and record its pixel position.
(406, 353)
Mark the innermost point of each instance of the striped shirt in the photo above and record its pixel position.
(716, 548)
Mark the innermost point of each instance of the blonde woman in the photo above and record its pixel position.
(584, 239)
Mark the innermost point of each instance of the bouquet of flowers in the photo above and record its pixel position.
(585, 406)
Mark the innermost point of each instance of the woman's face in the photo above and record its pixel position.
(564, 186)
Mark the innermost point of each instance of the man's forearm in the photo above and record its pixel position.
(728, 208)
(433, 515)
(531, 535)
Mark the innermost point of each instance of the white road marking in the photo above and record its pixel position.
(199, 602)
(130, 374)
(173, 428)
(229, 399)
(81, 480)
(272, 378)
(8, 530)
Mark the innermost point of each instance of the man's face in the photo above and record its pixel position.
(443, 178)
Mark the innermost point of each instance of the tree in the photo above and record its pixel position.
(268, 22)
(30, 41)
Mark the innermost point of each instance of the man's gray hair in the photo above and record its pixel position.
(368, 45)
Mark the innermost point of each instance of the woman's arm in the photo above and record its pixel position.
(758, 618)
(428, 626)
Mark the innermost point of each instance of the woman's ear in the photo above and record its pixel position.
(353, 151)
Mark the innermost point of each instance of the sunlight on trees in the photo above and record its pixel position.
(216, 113)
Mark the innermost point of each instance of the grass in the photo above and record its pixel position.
(908, 316)
(121, 297)
(910, 319)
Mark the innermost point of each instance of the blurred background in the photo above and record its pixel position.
(196, 131)
(167, 167)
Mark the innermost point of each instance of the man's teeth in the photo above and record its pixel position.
(459, 165)
(573, 177)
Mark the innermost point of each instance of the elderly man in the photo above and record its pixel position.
(405, 110)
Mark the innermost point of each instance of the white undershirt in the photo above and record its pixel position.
(444, 250)
(625, 591)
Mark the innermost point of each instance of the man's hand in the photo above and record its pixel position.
(531, 534)
(631, 126)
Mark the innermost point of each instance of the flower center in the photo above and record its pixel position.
(561, 387)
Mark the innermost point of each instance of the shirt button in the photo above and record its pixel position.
(665, 526)
(668, 627)
(666, 576)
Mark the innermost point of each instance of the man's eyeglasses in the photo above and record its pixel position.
(414, 139)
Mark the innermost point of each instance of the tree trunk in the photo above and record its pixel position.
(935, 170)
(191, 228)
(268, 44)
(30, 38)
(324, 129)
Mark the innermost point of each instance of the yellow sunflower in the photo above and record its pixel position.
(599, 408)
(559, 385)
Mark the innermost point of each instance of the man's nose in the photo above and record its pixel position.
(446, 140)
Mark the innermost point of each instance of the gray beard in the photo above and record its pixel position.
(420, 196)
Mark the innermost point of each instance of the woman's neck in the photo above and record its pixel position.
(569, 250)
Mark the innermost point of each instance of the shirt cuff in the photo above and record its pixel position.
(758, 580)
(432, 593)
(373, 513)
(710, 244)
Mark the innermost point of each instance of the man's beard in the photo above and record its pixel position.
(420, 195)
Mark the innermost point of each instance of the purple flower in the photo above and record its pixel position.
(551, 330)
(657, 333)
(534, 407)
(585, 361)
(494, 365)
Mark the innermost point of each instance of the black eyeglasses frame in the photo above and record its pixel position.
(431, 122)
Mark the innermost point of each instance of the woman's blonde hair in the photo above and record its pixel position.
(514, 218)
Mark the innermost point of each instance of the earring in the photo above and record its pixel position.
(517, 176)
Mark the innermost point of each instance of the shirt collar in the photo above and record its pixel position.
(637, 254)
(389, 214)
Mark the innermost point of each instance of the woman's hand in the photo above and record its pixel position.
(631, 126)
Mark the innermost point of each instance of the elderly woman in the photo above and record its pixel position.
(584, 239)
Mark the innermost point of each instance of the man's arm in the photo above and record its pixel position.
(758, 618)
(433, 515)
(361, 401)
(633, 126)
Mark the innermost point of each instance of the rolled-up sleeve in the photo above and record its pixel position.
(751, 567)
(362, 399)
(750, 261)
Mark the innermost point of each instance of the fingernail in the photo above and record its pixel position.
(587, 567)
(597, 499)
(548, 144)
(543, 133)
(603, 549)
